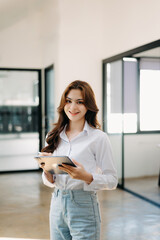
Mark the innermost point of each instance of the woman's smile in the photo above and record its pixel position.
(73, 113)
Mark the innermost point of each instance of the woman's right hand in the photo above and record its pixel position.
(48, 175)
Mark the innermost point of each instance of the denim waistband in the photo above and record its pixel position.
(72, 191)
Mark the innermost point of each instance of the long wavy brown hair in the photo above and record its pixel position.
(53, 137)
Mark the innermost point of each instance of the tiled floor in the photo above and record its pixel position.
(24, 207)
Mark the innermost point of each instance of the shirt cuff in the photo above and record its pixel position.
(46, 182)
(91, 186)
(101, 182)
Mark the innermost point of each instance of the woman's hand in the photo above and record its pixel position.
(78, 172)
(48, 175)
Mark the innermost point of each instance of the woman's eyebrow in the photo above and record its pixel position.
(73, 99)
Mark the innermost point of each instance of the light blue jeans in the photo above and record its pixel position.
(74, 215)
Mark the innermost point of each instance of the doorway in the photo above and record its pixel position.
(20, 118)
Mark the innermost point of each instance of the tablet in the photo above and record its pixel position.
(51, 163)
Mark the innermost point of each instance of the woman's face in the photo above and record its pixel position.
(75, 108)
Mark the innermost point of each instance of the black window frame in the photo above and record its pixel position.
(50, 67)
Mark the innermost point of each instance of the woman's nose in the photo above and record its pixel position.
(73, 105)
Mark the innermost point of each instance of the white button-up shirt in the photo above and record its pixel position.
(92, 149)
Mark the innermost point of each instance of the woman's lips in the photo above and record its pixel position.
(73, 114)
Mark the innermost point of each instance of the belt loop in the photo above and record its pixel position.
(71, 194)
(56, 191)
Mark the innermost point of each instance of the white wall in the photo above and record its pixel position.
(17, 151)
(128, 24)
(50, 20)
(28, 33)
(19, 42)
(142, 155)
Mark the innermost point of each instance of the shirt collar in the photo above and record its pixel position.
(85, 129)
(63, 134)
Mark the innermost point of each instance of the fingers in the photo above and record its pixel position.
(76, 163)
(63, 168)
(67, 171)
(42, 165)
(68, 167)
(44, 154)
(44, 170)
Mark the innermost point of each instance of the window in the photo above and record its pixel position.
(133, 87)
(130, 88)
(122, 107)
(149, 100)
(149, 94)
(19, 101)
(114, 97)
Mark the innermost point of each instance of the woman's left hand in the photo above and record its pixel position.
(78, 172)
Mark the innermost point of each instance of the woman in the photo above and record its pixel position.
(74, 212)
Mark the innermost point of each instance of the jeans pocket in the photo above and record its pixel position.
(82, 201)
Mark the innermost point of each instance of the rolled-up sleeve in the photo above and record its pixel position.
(107, 179)
(46, 182)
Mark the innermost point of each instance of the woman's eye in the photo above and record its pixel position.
(80, 102)
(68, 101)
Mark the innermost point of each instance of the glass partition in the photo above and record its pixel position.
(131, 116)
(113, 111)
(19, 119)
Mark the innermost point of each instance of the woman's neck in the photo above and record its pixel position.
(75, 126)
